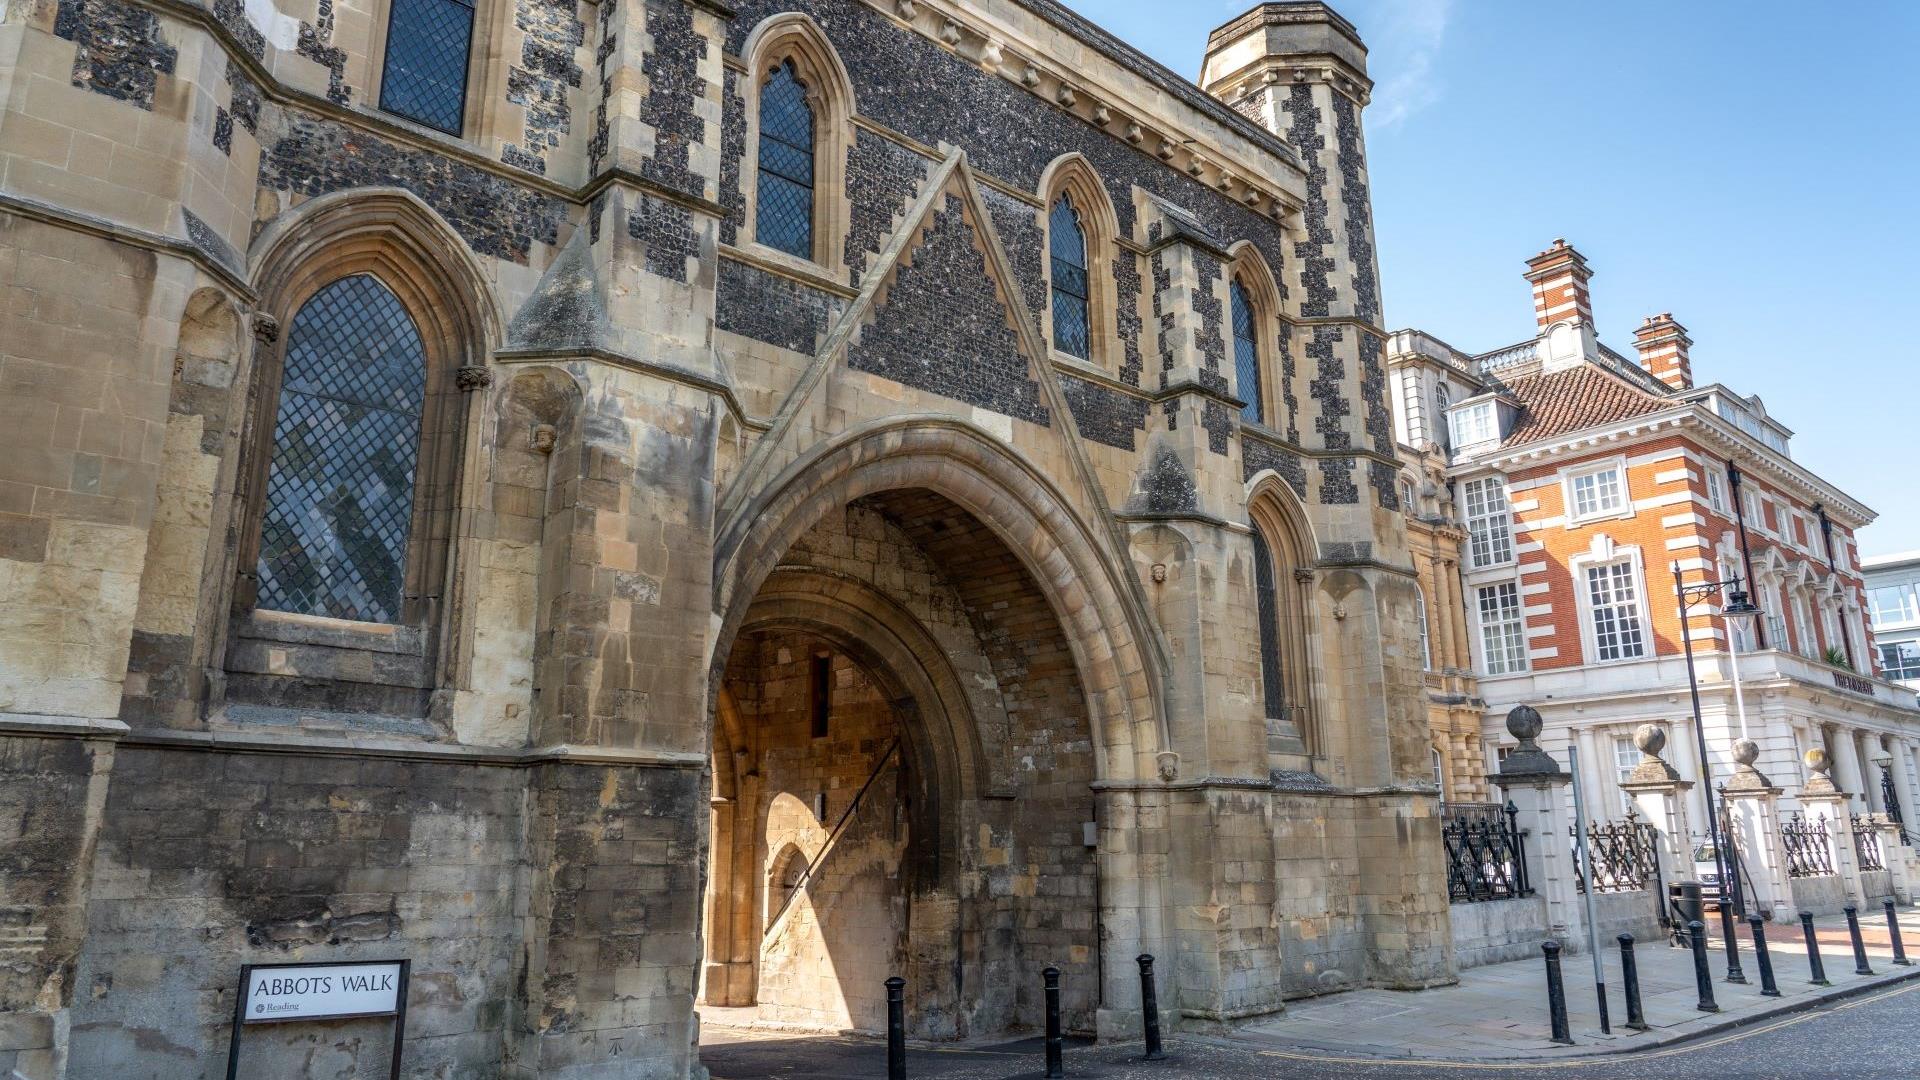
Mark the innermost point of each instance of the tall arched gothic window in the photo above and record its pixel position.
(1067, 244)
(784, 217)
(346, 435)
(1282, 584)
(1273, 682)
(1246, 355)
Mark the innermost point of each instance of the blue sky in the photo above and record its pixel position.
(1752, 167)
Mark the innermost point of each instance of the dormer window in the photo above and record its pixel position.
(1472, 424)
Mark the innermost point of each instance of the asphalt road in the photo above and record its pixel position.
(1873, 1037)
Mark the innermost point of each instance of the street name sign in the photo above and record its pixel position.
(322, 990)
(321, 993)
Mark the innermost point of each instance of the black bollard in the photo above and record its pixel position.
(1150, 1009)
(1860, 966)
(896, 1028)
(1630, 978)
(1893, 931)
(1816, 969)
(1556, 994)
(1768, 988)
(1702, 978)
(1054, 1067)
(1728, 920)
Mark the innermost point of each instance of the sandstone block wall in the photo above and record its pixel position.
(637, 420)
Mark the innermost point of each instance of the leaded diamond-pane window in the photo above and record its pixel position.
(333, 541)
(425, 78)
(784, 218)
(1246, 355)
(1067, 245)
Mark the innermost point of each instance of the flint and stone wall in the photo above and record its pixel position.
(633, 412)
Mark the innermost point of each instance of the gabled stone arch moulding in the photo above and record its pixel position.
(1105, 627)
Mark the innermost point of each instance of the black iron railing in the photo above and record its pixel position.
(1866, 842)
(1891, 801)
(1621, 855)
(1807, 852)
(1486, 852)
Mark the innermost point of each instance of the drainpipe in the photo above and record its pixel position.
(1826, 535)
(1746, 553)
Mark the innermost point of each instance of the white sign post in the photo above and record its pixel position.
(278, 993)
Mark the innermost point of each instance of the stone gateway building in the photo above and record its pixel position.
(632, 505)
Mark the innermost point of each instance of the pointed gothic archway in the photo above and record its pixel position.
(966, 613)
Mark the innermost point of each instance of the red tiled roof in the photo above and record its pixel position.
(1562, 402)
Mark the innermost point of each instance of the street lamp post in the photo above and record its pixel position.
(1737, 607)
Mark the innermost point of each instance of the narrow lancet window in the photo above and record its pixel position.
(1246, 355)
(784, 218)
(1067, 244)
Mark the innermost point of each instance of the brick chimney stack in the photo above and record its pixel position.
(1560, 291)
(1663, 350)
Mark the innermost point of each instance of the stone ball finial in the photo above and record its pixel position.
(1819, 761)
(1746, 751)
(1524, 723)
(1651, 739)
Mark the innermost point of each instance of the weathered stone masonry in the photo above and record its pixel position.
(716, 558)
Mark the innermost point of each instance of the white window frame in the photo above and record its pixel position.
(1803, 626)
(1498, 522)
(1570, 477)
(1716, 489)
(1512, 660)
(1830, 625)
(1623, 770)
(1909, 608)
(1426, 641)
(1583, 587)
(1903, 649)
(1481, 420)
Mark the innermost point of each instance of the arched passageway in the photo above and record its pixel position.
(904, 767)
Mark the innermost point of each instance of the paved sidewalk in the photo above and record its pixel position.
(1500, 1011)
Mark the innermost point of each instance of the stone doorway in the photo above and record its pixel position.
(903, 785)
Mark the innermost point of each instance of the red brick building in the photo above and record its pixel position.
(1585, 481)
